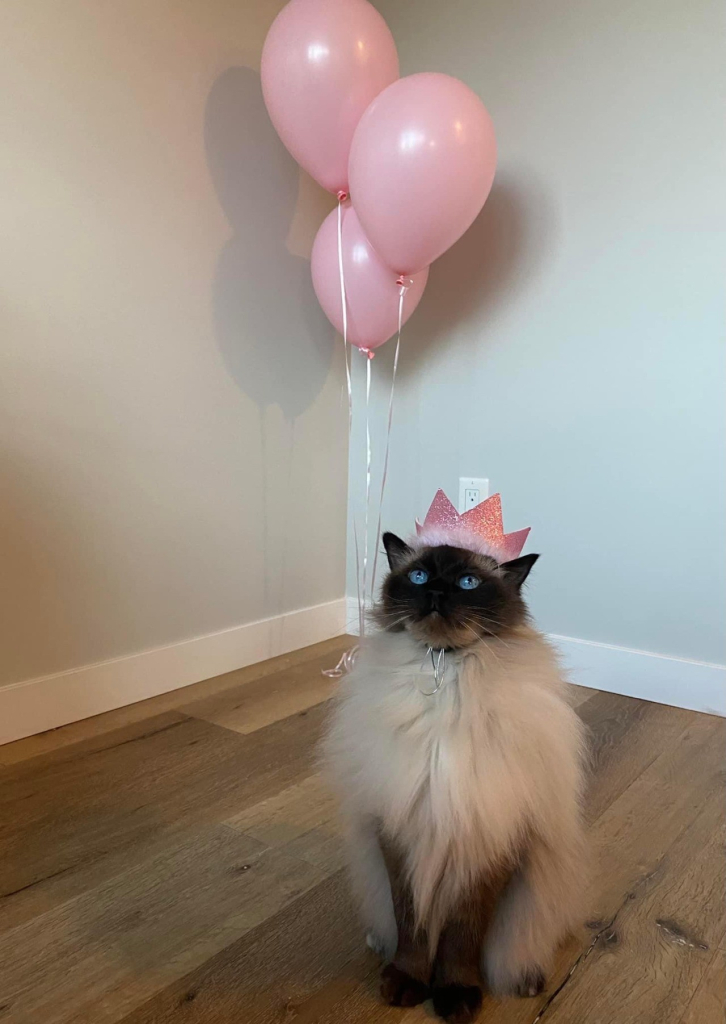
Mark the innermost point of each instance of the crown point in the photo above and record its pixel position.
(442, 512)
(486, 519)
(512, 543)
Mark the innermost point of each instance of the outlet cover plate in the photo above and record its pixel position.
(472, 490)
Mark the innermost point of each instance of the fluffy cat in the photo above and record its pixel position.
(461, 806)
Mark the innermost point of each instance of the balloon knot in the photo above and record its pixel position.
(404, 282)
(367, 352)
(342, 196)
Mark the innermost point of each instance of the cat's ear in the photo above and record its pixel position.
(518, 569)
(396, 549)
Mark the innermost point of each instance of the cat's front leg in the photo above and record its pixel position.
(456, 984)
(371, 884)
(457, 978)
(405, 981)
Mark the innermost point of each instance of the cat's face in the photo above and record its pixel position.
(449, 597)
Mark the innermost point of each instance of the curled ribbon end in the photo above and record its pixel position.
(344, 666)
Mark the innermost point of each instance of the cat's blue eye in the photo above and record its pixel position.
(469, 582)
(418, 576)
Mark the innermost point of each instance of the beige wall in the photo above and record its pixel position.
(173, 442)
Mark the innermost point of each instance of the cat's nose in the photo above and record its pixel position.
(435, 597)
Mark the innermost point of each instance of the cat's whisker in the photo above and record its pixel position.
(489, 646)
(390, 624)
(471, 630)
(491, 633)
(493, 636)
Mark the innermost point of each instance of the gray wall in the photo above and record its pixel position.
(173, 442)
(570, 347)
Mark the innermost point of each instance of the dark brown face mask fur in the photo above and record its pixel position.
(448, 597)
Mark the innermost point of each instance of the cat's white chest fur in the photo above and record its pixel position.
(429, 767)
(424, 746)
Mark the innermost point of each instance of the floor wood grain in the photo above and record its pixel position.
(180, 861)
(709, 1001)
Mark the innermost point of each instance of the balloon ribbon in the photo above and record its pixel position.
(347, 661)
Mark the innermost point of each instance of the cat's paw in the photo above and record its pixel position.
(400, 989)
(457, 1004)
(531, 982)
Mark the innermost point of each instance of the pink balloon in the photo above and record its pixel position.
(322, 64)
(421, 166)
(370, 286)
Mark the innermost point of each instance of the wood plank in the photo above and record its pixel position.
(99, 725)
(626, 736)
(650, 958)
(261, 702)
(633, 835)
(577, 695)
(322, 846)
(95, 957)
(302, 819)
(288, 814)
(106, 803)
(708, 1005)
(271, 974)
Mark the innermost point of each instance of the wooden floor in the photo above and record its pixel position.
(178, 861)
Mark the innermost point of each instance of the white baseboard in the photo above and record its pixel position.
(35, 705)
(680, 682)
(695, 685)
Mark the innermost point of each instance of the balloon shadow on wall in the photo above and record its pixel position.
(275, 340)
(488, 268)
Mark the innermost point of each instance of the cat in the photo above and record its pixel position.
(459, 768)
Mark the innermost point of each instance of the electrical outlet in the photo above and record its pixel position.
(472, 490)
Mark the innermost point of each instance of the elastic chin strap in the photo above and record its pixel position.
(438, 664)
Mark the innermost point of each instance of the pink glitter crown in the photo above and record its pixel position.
(480, 529)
